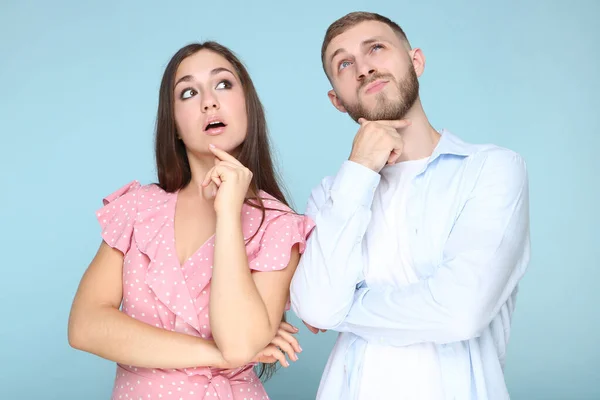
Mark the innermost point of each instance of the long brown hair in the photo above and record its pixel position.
(172, 164)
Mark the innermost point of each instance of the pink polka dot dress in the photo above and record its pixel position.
(139, 221)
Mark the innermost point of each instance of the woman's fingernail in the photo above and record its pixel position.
(212, 146)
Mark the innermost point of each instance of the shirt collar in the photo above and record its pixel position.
(450, 144)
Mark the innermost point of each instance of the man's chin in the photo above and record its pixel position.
(369, 101)
(370, 109)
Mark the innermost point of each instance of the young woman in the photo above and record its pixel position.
(202, 261)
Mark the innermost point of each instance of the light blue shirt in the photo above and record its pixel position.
(468, 216)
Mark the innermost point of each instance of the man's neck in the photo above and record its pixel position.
(420, 138)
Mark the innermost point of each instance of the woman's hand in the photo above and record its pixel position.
(232, 180)
(283, 343)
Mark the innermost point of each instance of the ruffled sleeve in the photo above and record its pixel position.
(117, 216)
(276, 239)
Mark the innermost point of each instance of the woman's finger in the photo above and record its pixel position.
(207, 177)
(274, 352)
(285, 347)
(290, 339)
(288, 327)
(223, 155)
(229, 164)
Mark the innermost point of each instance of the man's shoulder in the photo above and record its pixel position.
(481, 164)
(494, 163)
(481, 154)
(492, 153)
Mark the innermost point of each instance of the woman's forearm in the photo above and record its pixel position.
(113, 335)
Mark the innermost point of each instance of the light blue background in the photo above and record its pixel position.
(78, 93)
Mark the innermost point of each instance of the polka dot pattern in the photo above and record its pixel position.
(138, 221)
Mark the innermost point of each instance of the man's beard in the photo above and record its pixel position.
(385, 108)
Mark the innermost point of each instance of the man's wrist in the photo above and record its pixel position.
(364, 162)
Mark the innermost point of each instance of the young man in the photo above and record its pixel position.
(421, 238)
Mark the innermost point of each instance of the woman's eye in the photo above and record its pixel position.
(187, 93)
(225, 84)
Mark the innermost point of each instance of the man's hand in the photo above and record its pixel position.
(378, 143)
(313, 329)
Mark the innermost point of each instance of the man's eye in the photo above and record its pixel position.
(344, 64)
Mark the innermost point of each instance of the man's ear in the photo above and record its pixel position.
(336, 101)
(418, 61)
